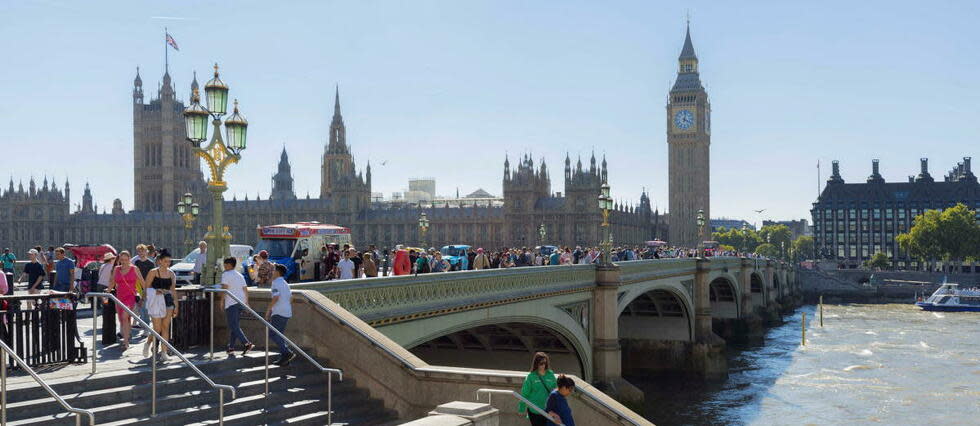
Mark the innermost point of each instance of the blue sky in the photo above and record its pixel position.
(446, 88)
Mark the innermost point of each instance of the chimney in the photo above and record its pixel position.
(924, 166)
(836, 167)
(959, 169)
(874, 167)
(911, 178)
(875, 176)
(966, 165)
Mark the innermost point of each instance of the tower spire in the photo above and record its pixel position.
(336, 101)
(687, 52)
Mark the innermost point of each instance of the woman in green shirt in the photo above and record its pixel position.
(537, 385)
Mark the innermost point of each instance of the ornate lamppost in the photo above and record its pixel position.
(700, 221)
(188, 210)
(605, 204)
(423, 228)
(542, 232)
(218, 155)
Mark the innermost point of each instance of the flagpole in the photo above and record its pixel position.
(166, 51)
(818, 178)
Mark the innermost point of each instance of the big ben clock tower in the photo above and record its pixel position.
(688, 142)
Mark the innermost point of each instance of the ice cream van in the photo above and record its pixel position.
(297, 245)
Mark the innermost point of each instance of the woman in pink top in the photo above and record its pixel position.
(124, 280)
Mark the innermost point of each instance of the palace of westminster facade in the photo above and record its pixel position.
(164, 168)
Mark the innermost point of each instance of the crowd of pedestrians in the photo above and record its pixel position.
(146, 285)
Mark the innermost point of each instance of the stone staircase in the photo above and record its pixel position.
(120, 393)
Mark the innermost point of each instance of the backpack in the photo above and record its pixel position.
(425, 267)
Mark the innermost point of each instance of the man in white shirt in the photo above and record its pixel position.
(199, 262)
(234, 282)
(279, 311)
(346, 267)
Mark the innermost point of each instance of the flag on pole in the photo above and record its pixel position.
(172, 42)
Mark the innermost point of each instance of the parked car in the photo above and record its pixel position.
(184, 269)
(456, 255)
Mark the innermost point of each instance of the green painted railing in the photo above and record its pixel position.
(377, 298)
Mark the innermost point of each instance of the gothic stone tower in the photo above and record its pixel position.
(688, 141)
(282, 181)
(522, 189)
(349, 190)
(164, 165)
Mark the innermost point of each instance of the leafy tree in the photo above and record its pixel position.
(725, 247)
(734, 237)
(778, 235)
(768, 250)
(879, 261)
(803, 248)
(951, 235)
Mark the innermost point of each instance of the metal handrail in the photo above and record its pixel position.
(4, 349)
(330, 371)
(517, 395)
(410, 365)
(220, 388)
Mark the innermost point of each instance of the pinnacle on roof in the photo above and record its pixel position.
(138, 81)
(336, 101)
(688, 51)
(194, 85)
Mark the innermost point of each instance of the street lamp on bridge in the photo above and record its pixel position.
(188, 210)
(423, 228)
(218, 155)
(745, 238)
(542, 232)
(700, 222)
(605, 204)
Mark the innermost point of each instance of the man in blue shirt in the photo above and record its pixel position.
(557, 406)
(64, 269)
(8, 259)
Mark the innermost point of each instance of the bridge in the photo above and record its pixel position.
(595, 321)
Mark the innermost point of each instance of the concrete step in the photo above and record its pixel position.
(278, 378)
(140, 373)
(190, 407)
(120, 393)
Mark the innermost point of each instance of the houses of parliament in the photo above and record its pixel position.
(164, 168)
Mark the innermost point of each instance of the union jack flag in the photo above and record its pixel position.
(172, 42)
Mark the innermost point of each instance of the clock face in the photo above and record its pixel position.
(684, 119)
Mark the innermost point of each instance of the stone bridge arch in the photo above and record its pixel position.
(758, 287)
(508, 342)
(657, 311)
(723, 293)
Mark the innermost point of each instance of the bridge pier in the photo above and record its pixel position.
(647, 350)
(606, 350)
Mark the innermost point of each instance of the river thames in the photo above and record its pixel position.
(869, 364)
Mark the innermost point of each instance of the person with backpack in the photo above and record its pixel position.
(538, 384)
(422, 264)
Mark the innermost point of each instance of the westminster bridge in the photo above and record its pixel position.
(594, 321)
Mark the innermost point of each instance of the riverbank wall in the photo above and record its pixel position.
(861, 286)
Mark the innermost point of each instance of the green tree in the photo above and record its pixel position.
(951, 235)
(735, 237)
(879, 261)
(803, 248)
(779, 236)
(767, 250)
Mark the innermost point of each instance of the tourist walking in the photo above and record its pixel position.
(403, 266)
(145, 264)
(202, 257)
(124, 279)
(481, 261)
(262, 271)
(64, 272)
(369, 266)
(557, 406)
(105, 271)
(538, 384)
(34, 273)
(161, 295)
(345, 268)
(279, 312)
(234, 282)
(8, 260)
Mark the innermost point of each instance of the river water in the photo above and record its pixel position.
(869, 364)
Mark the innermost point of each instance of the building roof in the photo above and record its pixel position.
(901, 192)
(479, 193)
